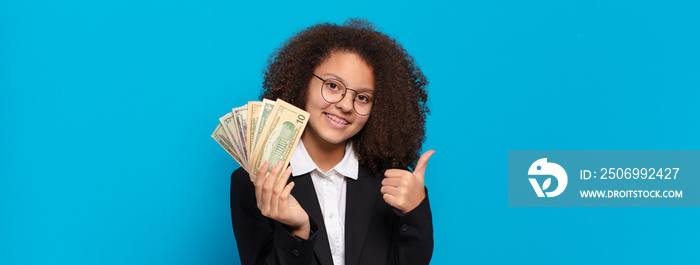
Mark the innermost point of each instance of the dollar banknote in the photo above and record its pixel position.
(240, 115)
(252, 123)
(265, 110)
(228, 123)
(220, 136)
(279, 137)
(261, 131)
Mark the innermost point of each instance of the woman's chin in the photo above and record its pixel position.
(334, 140)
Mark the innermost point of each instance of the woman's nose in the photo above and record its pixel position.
(345, 104)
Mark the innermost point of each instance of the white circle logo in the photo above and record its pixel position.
(541, 167)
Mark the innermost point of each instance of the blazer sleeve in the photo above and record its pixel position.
(415, 235)
(262, 240)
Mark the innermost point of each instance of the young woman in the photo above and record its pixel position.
(348, 196)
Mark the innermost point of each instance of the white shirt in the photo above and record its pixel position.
(331, 191)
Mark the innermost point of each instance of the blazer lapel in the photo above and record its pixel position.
(305, 194)
(360, 201)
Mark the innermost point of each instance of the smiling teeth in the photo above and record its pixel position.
(336, 119)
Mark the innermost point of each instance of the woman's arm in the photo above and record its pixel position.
(414, 240)
(405, 191)
(262, 240)
(275, 202)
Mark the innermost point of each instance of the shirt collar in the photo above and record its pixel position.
(301, 162)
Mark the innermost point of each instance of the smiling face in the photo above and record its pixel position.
(333, 124)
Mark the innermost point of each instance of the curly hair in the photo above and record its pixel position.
(395, 131)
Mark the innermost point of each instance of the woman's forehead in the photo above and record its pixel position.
(349, 68)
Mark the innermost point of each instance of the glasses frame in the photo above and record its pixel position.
(344, 93)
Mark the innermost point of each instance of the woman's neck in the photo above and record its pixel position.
(326, 155)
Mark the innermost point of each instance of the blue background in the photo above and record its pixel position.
(107, 108)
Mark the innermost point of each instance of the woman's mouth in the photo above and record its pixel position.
(336, 119)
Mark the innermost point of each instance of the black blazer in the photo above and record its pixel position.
(375, 232)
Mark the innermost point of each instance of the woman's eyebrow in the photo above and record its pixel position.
(364, 89)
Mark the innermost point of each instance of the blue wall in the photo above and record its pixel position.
(106, 110)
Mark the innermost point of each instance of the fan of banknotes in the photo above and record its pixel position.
(261, 131)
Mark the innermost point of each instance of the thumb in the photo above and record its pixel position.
(422, 163)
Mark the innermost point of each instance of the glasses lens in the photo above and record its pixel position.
(363, 103)
(332, 90)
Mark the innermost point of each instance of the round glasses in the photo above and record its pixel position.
(333, 91)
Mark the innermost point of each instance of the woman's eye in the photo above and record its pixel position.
(333, 86)
(363, 98)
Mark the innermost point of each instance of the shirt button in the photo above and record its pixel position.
(295, 252)
(404, 227)
(330, 215)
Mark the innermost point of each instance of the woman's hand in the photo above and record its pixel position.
(404, 190)
(275, 202)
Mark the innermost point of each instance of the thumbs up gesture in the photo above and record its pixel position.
(404, 190)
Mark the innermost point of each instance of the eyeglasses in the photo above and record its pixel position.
(333, 91)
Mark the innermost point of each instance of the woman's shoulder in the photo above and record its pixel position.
(240, 177)
(366, 174)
